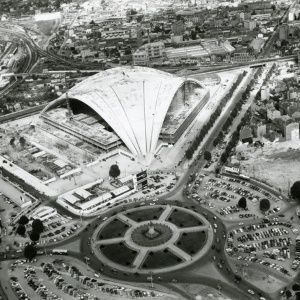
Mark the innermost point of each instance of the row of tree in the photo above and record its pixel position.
(264, 204)
(22, 141)
(235, 136)
(204, 130)
(37, 227)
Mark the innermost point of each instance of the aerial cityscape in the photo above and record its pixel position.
(150, 149)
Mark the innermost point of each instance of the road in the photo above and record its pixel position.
(236, 291)
(30, 60)
(268, 46)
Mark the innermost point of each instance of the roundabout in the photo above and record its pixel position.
(154, 239)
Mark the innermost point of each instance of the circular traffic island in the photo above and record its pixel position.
(151, 235)
(156, 239)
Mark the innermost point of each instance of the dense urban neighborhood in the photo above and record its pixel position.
(150, 149)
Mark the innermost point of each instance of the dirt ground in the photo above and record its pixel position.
(276, 163)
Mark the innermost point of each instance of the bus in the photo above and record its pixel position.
(245, 177)
(258, 66)
(233, 170)
(60, 251)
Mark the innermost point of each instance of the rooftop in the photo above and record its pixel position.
(132, 100)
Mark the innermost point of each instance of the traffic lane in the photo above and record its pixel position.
(164, 278)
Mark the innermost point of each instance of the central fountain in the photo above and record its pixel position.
(152, 233)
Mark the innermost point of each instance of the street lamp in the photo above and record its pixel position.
(151, 279)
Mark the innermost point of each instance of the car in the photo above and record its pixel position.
(251, 292)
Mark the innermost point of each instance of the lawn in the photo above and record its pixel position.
(115, 228)
(161, 259)
(145, 214)
(119, 253)
(182, 219)
(192, 242)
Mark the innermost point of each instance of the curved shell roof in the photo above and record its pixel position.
(132, 100)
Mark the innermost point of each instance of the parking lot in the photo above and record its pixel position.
(57, 227)
(222, 193)
(266, 244)
(8, 211)
(61, 277)
(158, 183)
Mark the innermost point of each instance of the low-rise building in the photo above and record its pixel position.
(250, 24)
(140, 58)
(292, 132)
(186, 52)
(257, 44)
(148, 52)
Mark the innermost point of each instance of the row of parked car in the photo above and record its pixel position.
(61, 284)
(54, 234)
(269, 237)
(263, 245)
(35, 283)
(254, 196)
(252, 187)
(89, 282)
(266, 224)
(18, 290)
(231, 209)
(265, 263)
(104, 287)
(57, 229)
(265, 234)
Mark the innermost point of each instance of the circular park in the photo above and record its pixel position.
(154, 239)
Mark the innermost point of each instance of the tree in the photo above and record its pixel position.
(114, 171)
(296, 287)
(207, 155)
(242, 203)
(34, 236)
(193, 35)
(30, 252)
(224, 157)
(12, 141)
(22, 141)
(216, 141)
(295, 190)
(23, 220)
(127, 51)
(288, 294)
(37, 226)
(189, 153)
(21, 230)
(264, 205)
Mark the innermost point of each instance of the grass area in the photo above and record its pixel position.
(113, 229)
(192, 242)
(286, 155)
(183, 219)
(161, 259)
(119, 253)
(146, 214)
